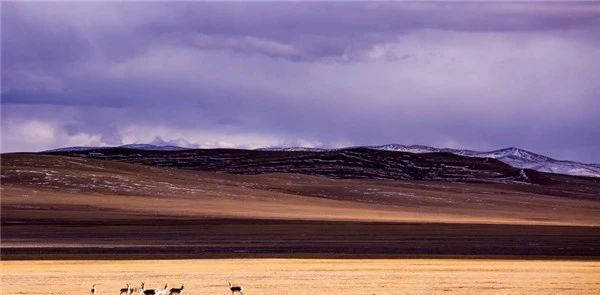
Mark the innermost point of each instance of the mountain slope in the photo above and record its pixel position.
(515, 157)
(344, 163)
(356, 163)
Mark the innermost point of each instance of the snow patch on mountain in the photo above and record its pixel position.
(515, 157)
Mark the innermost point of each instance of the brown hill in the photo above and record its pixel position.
(51, 203)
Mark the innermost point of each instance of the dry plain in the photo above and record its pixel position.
(308, 276)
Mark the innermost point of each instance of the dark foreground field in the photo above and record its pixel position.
(51, 239)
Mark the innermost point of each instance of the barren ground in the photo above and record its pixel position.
(307, 276)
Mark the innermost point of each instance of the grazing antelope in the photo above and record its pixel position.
(137, 290)
(93, 291)
(143, 291)
(162, 291)
(174, 291)
(127, 290)
(154, 291)
(234, 289)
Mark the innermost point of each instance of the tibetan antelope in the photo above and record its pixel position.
(143, 290)
(136, 290)
(154, 291)
(234, 289)
(93, 291)
(175, 291)
(162, 291)
(127, 290)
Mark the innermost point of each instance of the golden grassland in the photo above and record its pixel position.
(307, 276)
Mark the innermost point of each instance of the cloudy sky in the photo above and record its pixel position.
(461, 75)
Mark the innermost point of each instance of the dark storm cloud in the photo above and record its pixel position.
(474, 75)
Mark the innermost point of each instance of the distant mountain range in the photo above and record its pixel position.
(135, 146)
(516, 157)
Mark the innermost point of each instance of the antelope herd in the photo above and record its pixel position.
(164, 291)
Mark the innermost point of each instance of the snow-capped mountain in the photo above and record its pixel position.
(515, 157)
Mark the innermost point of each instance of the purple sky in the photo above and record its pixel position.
(461, 75)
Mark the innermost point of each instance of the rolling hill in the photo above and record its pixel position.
(203, 203)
